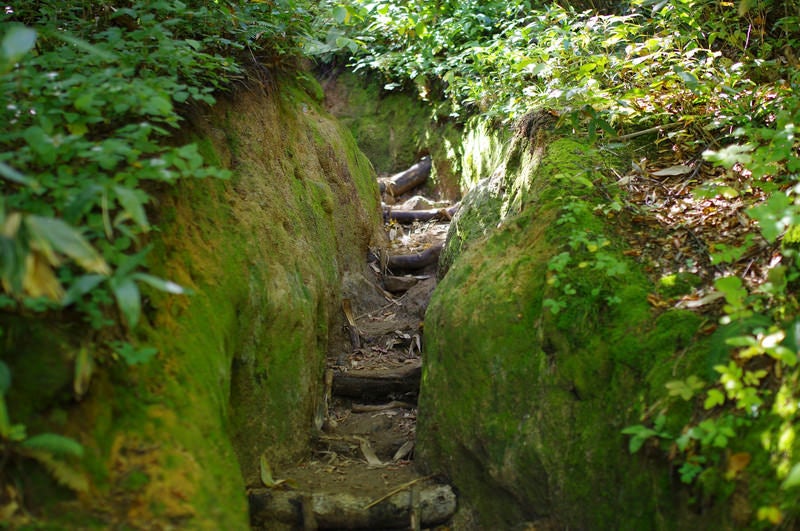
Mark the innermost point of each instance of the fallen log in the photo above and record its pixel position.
(378, 386)
(415, 261)
(410, 216)
(434, 505)
(402, 182)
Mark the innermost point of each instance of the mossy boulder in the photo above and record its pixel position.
(174, 442)
(540, 348)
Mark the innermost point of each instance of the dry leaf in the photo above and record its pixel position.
(84, 367)
(369, 453)
(403, 451)
(736, 463)
(702, 301)
(40, 280)
(680, 169)
(266, 473)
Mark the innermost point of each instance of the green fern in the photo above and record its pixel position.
(64, 473)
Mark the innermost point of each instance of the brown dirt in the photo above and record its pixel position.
(367, 449)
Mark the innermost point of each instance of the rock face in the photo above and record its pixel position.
(540, 348)
(241, 362)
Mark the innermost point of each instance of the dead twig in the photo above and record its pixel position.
(394, 404)
(656, 129)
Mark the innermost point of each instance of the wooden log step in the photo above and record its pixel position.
(404, 181)
(410, 216)
(432, 503)
(373, 386)
(411, 262)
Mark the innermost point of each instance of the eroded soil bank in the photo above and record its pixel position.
(240, 368)
(538, 347)
(543, 340)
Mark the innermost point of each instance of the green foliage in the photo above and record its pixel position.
(640, 433)
(758, 383)
(92, 94)
(56, 453)
(132, 355)
(644, 62)
(585, 250)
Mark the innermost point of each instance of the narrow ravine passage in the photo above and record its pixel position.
(362, 474)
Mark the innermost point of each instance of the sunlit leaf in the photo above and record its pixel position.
(341, 15)
(730, 155)
(81, 286)
(133, 205)
(714, 398)
(128, 299)
(793, 478)
(161, 284)
(40, 279)
(18, 41)
(741, 341)
(68, 241)
(84, 367)
(266, 473)
(13, 175)
(775, 215)
(680, 169)
(770, 514)
(686, 389)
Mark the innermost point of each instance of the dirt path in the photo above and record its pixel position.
(362, 473)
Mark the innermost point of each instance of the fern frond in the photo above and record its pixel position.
(62, 472)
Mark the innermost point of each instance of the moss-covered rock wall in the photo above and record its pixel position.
(175, 441)
(395, 129)
(540, 348)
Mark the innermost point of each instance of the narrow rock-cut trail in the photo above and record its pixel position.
(362, 473)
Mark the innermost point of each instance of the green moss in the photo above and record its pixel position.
(538, 400)
(240, 362)
(136, 480)
(677, 284)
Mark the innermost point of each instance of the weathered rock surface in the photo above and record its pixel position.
(537, 357)
(428, 502)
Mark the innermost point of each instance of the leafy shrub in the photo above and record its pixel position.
(723, 77)
(91, 94)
